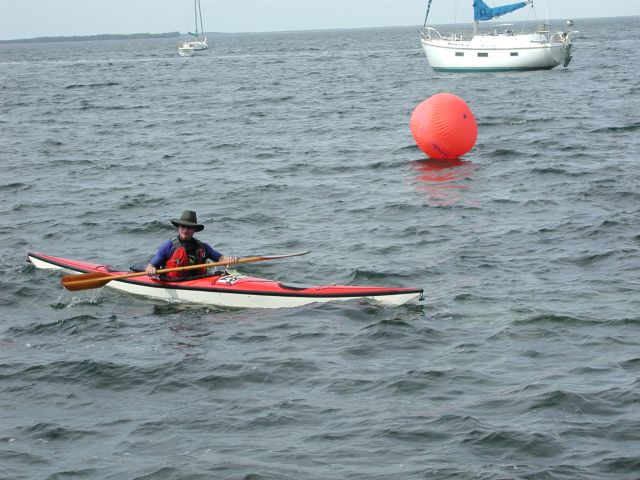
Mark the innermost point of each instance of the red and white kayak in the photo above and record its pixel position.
(231, 290)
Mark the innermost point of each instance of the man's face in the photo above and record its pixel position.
(185, 233)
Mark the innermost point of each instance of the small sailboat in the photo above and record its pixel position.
(199, 41)
(494, 50)
(185, 50)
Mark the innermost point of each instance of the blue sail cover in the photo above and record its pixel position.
(482, 11)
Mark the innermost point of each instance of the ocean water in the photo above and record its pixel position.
(522, 362)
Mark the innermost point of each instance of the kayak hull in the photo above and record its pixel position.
(238, 291)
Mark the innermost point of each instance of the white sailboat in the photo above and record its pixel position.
(199, 41)
(496, 51)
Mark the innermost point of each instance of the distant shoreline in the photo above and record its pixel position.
(106, 36)
(78, 38)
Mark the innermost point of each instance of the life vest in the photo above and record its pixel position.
(181, 256)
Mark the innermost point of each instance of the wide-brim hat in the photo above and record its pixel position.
(188, 219)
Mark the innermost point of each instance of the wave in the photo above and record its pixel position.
(633, 127)
(551, 319)
(604, 404)
(15, 187)
(92, 85)
(97, 374)
(53, 432)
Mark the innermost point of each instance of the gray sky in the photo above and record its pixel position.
(38, 18)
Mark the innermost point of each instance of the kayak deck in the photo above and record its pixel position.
(230, 290)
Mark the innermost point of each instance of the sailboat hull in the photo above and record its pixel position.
(185, 51)
(496, 52)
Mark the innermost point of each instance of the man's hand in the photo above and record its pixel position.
(151, 270)
(228, 259)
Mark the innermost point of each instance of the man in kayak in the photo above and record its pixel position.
(185, 250)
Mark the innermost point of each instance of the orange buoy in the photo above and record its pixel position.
(444, 127)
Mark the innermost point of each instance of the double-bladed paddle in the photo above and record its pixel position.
(85, 281)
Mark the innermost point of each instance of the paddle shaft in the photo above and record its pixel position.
(86, 281)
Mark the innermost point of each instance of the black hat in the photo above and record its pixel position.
(188, 219)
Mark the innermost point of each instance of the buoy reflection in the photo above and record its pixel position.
(442, 180)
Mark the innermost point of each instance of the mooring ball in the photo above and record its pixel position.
(444, 127)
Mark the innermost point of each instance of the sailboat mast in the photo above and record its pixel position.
(195, 16)
(200, 15)
(427, 15)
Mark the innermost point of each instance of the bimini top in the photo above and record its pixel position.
(482, 11)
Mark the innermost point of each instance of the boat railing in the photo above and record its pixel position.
(562, 37)
(430, 33)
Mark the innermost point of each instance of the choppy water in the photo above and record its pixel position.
(523, 361)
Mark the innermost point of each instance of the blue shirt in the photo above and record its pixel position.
(164, 253)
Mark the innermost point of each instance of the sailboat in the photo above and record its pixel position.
(494, 50)
(199, 41)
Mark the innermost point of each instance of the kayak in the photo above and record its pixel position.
(226, 289)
